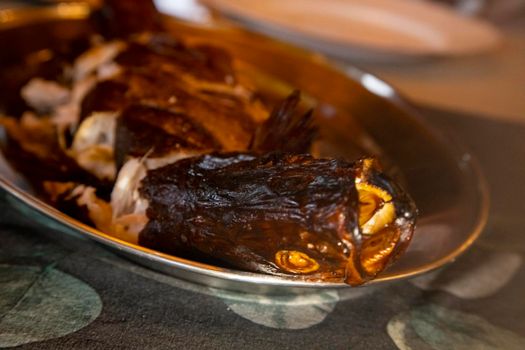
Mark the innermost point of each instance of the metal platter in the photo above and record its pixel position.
(353, 106)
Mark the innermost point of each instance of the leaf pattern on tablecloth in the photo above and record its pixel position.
(42, 303)
(291, 311)
(478, 274)
(282, 312)
(435, 327)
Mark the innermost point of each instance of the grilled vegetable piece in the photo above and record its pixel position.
(278, 214)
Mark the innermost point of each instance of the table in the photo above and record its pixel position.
(76, 295)
(489, 85)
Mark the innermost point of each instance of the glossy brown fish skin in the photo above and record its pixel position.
(194, 83)
(250, 210)
(244, 209)
(148, 130)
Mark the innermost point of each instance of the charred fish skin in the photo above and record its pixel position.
(245, 209)
(158, 131)
(277, 214)
(163, 76)
(148, 130)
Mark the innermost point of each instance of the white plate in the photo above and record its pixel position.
(375, 29)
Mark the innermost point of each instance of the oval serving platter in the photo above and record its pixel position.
(353, 108)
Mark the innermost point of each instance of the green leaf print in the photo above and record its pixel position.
(436, 327)
(42, 303)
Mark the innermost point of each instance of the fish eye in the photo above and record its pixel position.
(294, 261)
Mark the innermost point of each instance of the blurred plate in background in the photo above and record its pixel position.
(365, 29)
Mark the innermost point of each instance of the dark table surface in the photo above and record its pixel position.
(78, 296)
